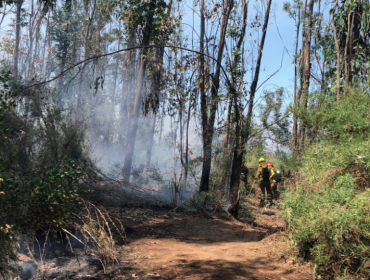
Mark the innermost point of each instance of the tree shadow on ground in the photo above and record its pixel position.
(251, 269)
(197, 229)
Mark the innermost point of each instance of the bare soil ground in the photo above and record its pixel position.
(167, 244)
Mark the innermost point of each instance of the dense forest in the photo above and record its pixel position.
(164, 102)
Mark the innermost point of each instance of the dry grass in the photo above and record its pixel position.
(101, 230)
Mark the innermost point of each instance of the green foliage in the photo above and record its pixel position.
(339, 122)
(359, 58)
(150, 15)
(272, 112)
(327, 210)
(6, 2)
(66, 35)
(7, 253)
(38, 189)
(293, 9)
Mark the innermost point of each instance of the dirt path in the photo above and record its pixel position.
(200, 246)
(189, 245)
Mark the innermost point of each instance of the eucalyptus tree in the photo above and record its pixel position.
(294, 11)
(150, 20)
(243, 125)
(345, 45)
(19, 4)
(65, 34)
(152, 101)
(306, 69)
(208, 112)
(46, 6)
(272, 112)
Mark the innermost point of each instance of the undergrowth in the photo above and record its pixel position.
(41, 168)
(328, 208)
(101, 231)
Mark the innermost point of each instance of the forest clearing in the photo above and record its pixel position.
(184, 139)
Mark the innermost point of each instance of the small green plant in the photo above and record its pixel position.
(327, 209)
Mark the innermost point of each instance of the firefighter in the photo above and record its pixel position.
(273, 181)
(266, 175)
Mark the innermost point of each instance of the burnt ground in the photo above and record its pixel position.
(170, 244)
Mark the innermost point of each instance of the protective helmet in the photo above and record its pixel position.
(269, 163)
(261, 159)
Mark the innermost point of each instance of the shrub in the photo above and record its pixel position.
(39, 178)
(328, 209)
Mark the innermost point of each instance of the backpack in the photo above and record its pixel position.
(277, 177)
(265, 173)
(245, 170)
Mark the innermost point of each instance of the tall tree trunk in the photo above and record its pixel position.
(338, 51)
(128, 78)
(187, 145)
(208, 122)
(44, 65)
(134, 118)
(203, 95)
(295, 117)
(161, 126)
(157, 90)
(181, 109)
(238, 46)
(17, 36)
(87, 34)
(151, 139)
(346, 51)
(228, 123)
(306, 77)
(237, 162)
(65, 44)
(31, 28)
(239, 145)
(301, 67)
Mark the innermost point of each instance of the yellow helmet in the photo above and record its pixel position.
(261, 159)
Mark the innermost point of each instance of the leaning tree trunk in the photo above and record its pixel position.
(134, 118)
(239, 145)
(208, 123)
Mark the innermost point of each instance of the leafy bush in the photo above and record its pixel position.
(40, 169)
(328, 209)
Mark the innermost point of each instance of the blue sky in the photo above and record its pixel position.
(274, 45)
(273, 49)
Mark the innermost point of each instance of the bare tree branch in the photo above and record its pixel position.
(123, 50)
(283, 117)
